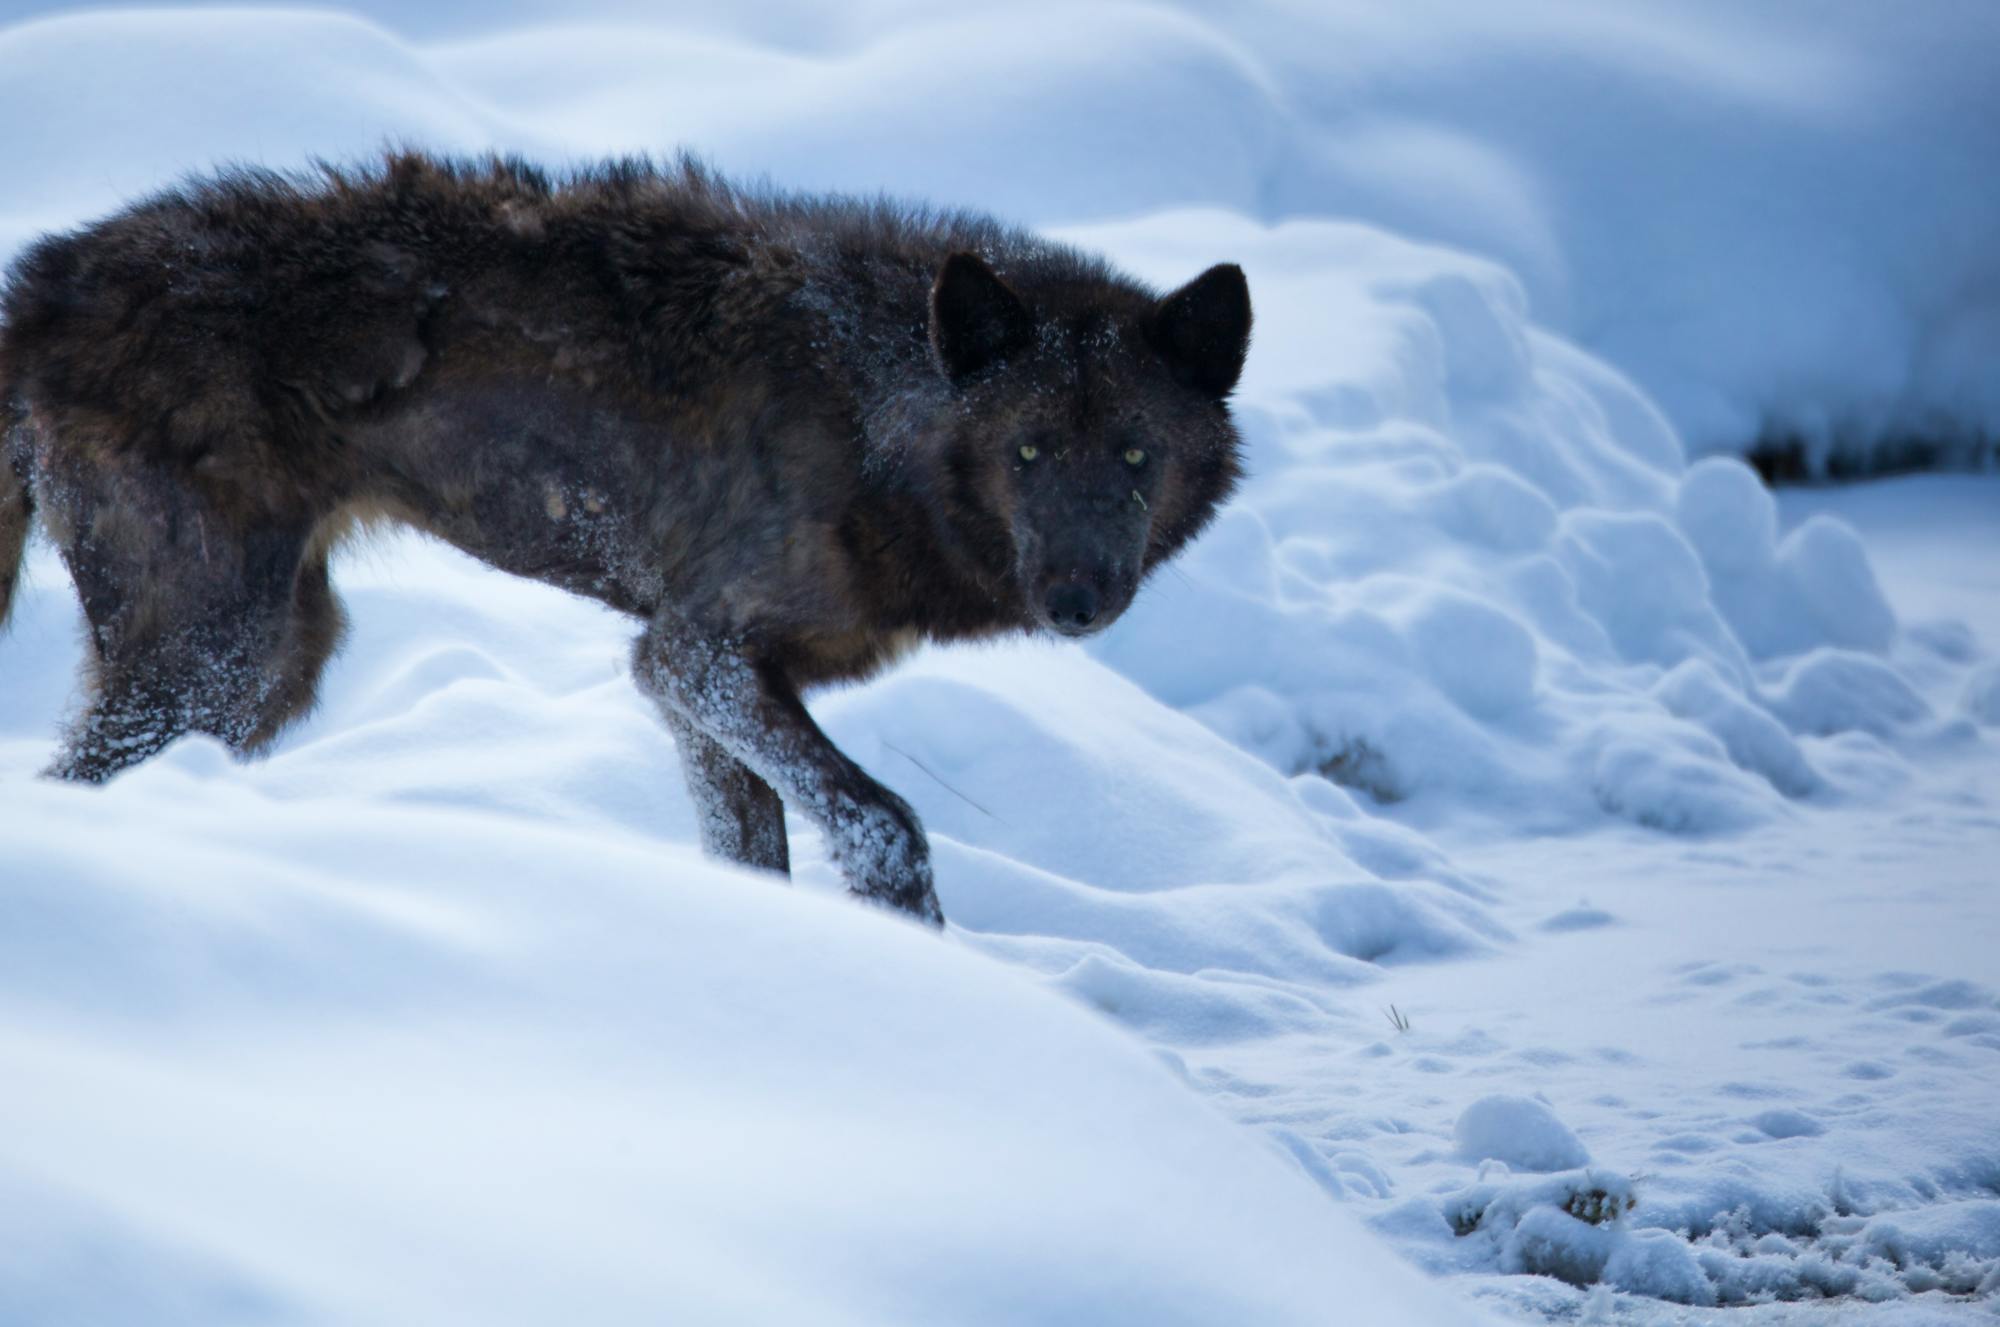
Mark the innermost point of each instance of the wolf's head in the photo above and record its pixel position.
(1091, 433)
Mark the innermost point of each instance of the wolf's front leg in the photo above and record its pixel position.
(755, 716)
(741, 819)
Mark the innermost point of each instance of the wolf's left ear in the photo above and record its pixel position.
(975, 318)
(1203, 329)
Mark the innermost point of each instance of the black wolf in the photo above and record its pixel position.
(791, 435)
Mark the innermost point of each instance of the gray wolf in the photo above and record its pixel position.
(791, 436)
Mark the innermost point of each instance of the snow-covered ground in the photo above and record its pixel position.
(1572, 864)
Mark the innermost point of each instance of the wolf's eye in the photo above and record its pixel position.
(1029, 451)
(1135, 457)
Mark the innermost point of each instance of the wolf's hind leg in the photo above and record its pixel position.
(755, 715)
(741, 819)
(17, 515)
(193, 620)
(205, 678)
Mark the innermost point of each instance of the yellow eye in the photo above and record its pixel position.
(1029, 451)
(1135, 456)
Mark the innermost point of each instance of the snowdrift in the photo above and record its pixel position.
(333, 1062)
(449, 945)
(1471, 570)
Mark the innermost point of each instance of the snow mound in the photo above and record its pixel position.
(1786, 1123)
(569, 1069)
(1470, 567)
(1151, 849)
(1572, 1227)
(1519, 1131)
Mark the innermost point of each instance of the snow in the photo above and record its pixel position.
(1572, 862)
(1519, 1131)
(354, 1062)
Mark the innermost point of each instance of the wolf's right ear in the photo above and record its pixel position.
(975, 319)
(1203, 329)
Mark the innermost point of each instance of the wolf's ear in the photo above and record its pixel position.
(975, 318)
(1203, 329)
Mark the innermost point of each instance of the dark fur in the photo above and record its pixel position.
(786, 433)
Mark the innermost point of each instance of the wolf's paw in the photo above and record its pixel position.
(921, 904)
(887, 860)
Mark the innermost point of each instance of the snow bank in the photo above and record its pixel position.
(338, 1061)
(454, 928)
(1471, 568)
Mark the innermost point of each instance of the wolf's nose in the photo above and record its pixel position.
(1071, 605)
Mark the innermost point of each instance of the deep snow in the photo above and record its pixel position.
(1662, 811)
(331, 1059)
